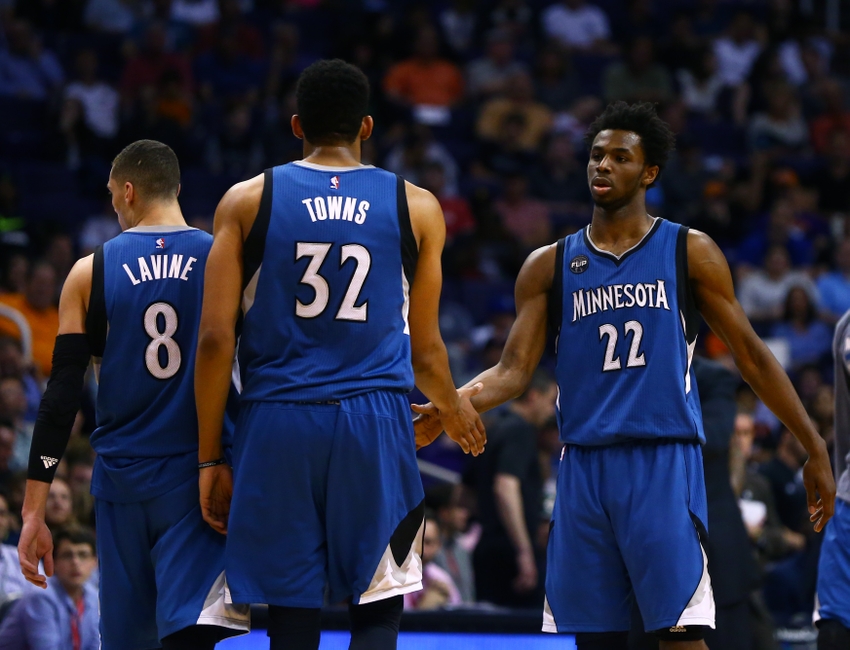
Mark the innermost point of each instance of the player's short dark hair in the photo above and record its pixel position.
(656, 137)
(75, 535)
(151, 167)
(332, 97)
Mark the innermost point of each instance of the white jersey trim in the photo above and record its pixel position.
(159, 229)
(700, 609)
(549, 624)
(624, 253)
(220, 610)
(390, 579)
(329, 168)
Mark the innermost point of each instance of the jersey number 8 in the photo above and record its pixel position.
(162, 339)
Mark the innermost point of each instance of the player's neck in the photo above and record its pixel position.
(161, 215)
(333, 156)
(629, 223)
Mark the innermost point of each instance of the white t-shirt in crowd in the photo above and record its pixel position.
(579, 28)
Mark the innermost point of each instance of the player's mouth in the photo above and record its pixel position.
(601, 185)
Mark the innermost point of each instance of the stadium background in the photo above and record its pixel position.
(485, 104)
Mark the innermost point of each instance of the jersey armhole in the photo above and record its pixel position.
(683, 287)
(409, 249)
(96, 320)
(556, 293)
(255, 243)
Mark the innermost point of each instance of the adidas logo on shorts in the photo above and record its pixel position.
(678, 628)
(48, 461)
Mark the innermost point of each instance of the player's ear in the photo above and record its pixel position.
(179, 187)
(297, 131)
(650, 174)
(129, 192)
(366, 127)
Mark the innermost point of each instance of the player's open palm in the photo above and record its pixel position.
(463, 425)
(818, 479)
(36, 544)
(216, 485)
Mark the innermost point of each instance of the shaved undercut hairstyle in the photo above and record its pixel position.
(151, 167)
(332, 97)
(656, 137)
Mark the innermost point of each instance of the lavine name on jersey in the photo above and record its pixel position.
(161, 268)
(345, 208)
(587, 302)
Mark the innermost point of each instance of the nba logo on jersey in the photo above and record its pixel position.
(334, 182)
(160, 243)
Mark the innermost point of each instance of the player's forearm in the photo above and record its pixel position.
(433, 377)
(501, 383)
(35, 500)
(213, 368)
(762, 372)
(510, 509)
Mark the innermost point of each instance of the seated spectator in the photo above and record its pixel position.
(27, 70)
(700, 84)
(639, 78)
(37, 305)
(781, 130)
(456, 211)
(505, 155)
(232, 24)
(453, 519)
(9, 535)
(578, 25)
(59, 511)
(762, 293)
(809, 338)
(525, 218)
(781, 229)
(519, 100)
(13, 364)
(226, 74)
(236, 151)
(835, 116)
(98, 228)
(575, 121)
(418, 149)
(834, 287)
(16, 268)
(145, 69)
(556, 83)
(425, 79)
(198, 13)
(491, 74)
(515, 16)
(66, 614)
(737, 51)
(832, 179)
(561, 181)
(7, 450)
(681, 47)
(80, 460)
(13, 407)
(110, 16)
(459, 24)
(438, 588)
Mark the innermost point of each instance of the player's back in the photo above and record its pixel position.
(152, 286)
(328, 266)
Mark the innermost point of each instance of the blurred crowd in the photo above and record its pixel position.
(485, 104)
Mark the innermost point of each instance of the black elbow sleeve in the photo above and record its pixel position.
(59, 405)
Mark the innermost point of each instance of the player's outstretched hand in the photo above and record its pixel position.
(216, 485)
(817, 477)
(428, 424)
(35, 544)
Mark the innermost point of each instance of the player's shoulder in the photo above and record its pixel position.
(245, 194)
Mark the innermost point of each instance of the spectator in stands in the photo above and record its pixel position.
(27, 70)
(578, 25)
(835, 116)
(762, 293)
(577, 118)
(832, 178)
(425, 78)
(438, 588)
(700, 83)
(782, 230)
(16, 268)
(13, 585)
(514, 15)
(518, 100)
(13, 364)
(8, 535)
(491, 74)
(198, 13)
(226, 74)
(737, 51)
(459, 24)
(453, 518)
(59, 512)
(510, 499)
(7, 450)
(37, 306)
(145, 69)
(237, 150)
(80, 459)
(561, 181)
(809, 338)
(66, 614)
(232, 24)
(524, 217)
(13, 407)
(506, 153)
(59, 253)
(780, 130)
(98, 228)
(834, 287)
(456, 210)
(556, 83)
(639, 78)
(417, 149)
(89, 117)
(110, 16)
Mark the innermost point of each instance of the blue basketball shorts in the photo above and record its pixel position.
(833, 590)
(161, 570)
(325, 494)
(626, 525)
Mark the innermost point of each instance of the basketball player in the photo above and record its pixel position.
(623, 296)
(136, 303)
(832, 611)
(336, 268)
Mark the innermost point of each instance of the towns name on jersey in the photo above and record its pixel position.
(343, 208)
(587, 302)
(161, 268)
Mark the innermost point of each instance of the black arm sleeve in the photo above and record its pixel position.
(59, 405)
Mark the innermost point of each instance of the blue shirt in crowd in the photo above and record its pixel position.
(42, 621)
(834, 289)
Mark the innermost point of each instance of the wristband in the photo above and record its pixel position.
(212, 463)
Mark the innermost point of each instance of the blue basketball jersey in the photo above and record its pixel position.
(627, 333)
(327, 270)
(147, 433)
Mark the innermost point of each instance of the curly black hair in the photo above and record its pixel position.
(332, 98)
(656, 138)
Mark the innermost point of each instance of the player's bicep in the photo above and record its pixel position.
(74, 298)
